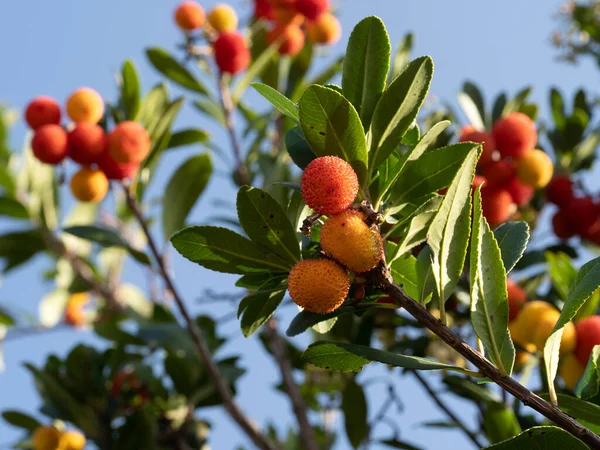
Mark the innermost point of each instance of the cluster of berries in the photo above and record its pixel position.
(103, 157)
(510, 165)
(329, 186)
(51, 438)
(531, 323)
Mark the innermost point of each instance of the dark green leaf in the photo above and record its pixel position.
(589, 383)
(256, 309)
(283, 104)
(500, 423)
(6, 318)
(404, 272)
(19, 247)
(20, 420)
(562, 271)
(169, 67)
(210, 108)
(545, 437)
(498, 107)
(354, 405)
(401, 445)
(512, 238)
(130, 90)
(13, 208)
(190, 136)
(298, 148)
(558, 108)
(588, 414)
(471, 101)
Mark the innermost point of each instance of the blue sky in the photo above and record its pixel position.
(54, 47)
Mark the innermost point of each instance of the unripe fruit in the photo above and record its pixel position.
(312, 9)
(85, 105)
(89, 185)
(115, 170)
(581, 212)
(470, 134)
(535, 168)
(49, 144)
(588, 335)
(189, 16)
(560, 190)
(570, 371)
(326, 29)
(45, 438)
(497, 205)
(223, 18)
(520, 193)
(562, 226)
(514, 134)
(72, 440)
(292, 39)
(87, 143)
(516, 299)
(543, 326)
(41, 111)
(499, 173)
(129, 142)
(523, 327)
(329, 185)
(231, 53)
(318, 285)
(350, 241)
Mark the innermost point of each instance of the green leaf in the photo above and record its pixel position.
(169, 67)
(500, 423)
(153, 105)
(130, 90)
(517, 102)
(223, 250)
(13, 208)
(331, 126)
(398, 108)
(586, 282)
(512, 238)
(404, 272)
(210, 108)
(183, 191)
(557, 105)
(351, 358)
(402, 56)
(256, 309)
(471, 102)
(266, 224)
(7, 181)
(106, 237)
(366, 66)
(190, 136)
(354, 405)
(6, 318)
(544, 437)
(298, 148)
(18, 247)
(562, 271)
(586, 413)
(306, 319)
(255, 70)
(498, 107)
(449, 232)
(489, 298)
(283, 104)
(395, 443)
(20, 420)
(588, 385)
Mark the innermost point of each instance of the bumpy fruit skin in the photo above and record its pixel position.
(516, 299)
(231, 53)
(497, 205)
(535, 168)
(326, 29)
(514, 134)
(470, 134)
(49, 144)
(570, 371)
(318, 285)
(329, 185)
(520, 193)
(189, 16)
(292, 39)
(588, 335)
(347, 239)
(581, 212)
(312, 9)
(562, 226)
(89, 185)
(560, 190)
(45, 438)
(115, 170)
(223, 18)
(129, 142)
(87, 143)
(499, 173)
(85, 105)
(72, 440)
(41, 111)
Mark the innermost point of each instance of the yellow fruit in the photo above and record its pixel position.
(72, 440)
(571, 370)
(523, 357)
(89, 185)
(85, 105)
(318, 285)
(325, 29)
(535, 168)
(543, 326)
(524, 325)
(45, 438)
(74, 312)
(223, 18)
(349, 240)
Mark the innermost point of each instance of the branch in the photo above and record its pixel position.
(221, 386)
(438, 401)
(381, 278)
(307, 435)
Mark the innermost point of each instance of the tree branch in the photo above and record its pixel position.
(221, 386)
(381, 278)
(438, 401)
(307, 434)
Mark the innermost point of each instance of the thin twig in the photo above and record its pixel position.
(307, 434)
(221, 385)
(438, 401)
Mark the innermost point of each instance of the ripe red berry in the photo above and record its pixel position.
(87, 143)
(312, 9)
(292, 39)
(514, 134)
(470, 134)
(561, 226)
(588, 335)
(520, 193)
(560, 190)
(231, 53)
(499, 173)
(497, 205)
(115, 170)
(516, 298)
(41, 111)
(582, 213)
(49, 144)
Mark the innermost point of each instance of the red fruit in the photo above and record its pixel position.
(470, 134)
(329, 185)
(292, 39)
(516, 298)
(520, 193)
(514, 134)
(87, 142)
(386, 300)
(41, 111)
(114, 170)
(231, 52)
(588, 335)
(499, 173)
(561, 226)
(497, 205)
(560, 190)
(129, 142)
(592, 234)
(263, 9)
(582, 213)
(312, 9)
(49, 144)
(478, 180)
